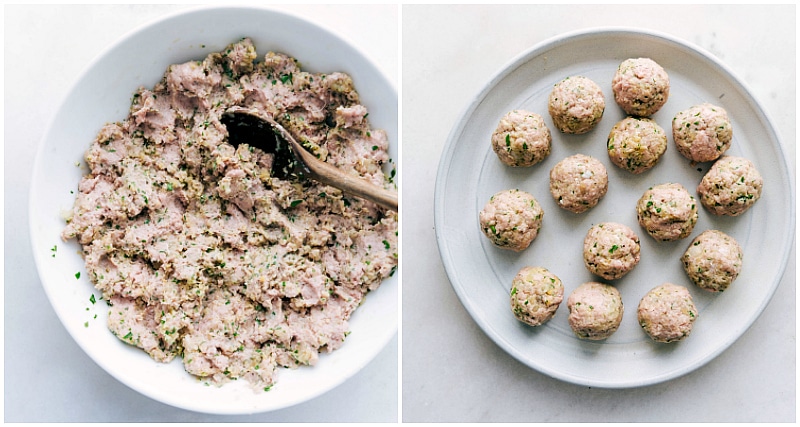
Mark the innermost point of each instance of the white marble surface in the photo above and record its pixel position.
(47, 377)
(451, 370)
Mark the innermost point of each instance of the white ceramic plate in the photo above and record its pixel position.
(102, 94)
(469, 173)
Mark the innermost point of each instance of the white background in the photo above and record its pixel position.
(47, 377)
(451, 370)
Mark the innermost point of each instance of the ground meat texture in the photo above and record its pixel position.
(521, 139)
(201, 252)
(667, 212)
(702, 133)
(578, 182)
(640, 86)
(595, 310)
(636, 144)
(511, 219)
(536, 294)
(576, 105)
(730, 187)
(611, 250)
(713, 260)
(667, 313)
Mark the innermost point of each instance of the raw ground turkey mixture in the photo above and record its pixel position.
(200, 252)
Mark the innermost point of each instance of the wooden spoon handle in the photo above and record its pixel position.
(325, 172)
(349, 183)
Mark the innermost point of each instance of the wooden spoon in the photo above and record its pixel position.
(292, 160)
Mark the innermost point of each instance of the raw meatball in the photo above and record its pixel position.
(535, 295)
(576, 105)
(511, 219)
(713, 260)
(667, 313)
(578, 182)
(636, 144)
(667, 211)
(610, 250)
(702, 133)
(730, 187)
(595, 310)
(521, 139)
(641, 86)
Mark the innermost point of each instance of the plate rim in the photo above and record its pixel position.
(450, 146)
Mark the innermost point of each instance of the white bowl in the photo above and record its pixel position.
(102, 94)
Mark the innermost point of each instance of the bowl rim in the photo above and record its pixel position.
(376, 72)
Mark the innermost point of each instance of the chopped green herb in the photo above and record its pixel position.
(92, 299)
(78, 275)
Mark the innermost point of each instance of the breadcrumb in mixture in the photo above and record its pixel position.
(200, 252)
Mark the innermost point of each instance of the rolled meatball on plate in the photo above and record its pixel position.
(636, 144)
(595, 311)
(667, 212)
(640, 86)
(578, 182)
(702, 133)
(576, 105)
(611, 250)
(536, 294)
(667, 313)
(730, 187)
(713, 260)
(511, 219)
(521, 139)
